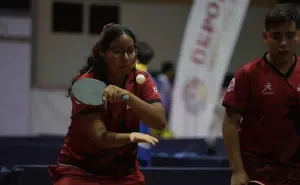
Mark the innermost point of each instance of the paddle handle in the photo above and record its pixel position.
(125, 97)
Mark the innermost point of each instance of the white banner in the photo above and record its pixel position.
(209, 40)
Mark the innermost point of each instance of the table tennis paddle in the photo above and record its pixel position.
(255, 183)
(90, 91)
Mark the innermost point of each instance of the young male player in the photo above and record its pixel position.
(261, 126)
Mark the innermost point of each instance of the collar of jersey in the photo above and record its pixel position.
(285, 75)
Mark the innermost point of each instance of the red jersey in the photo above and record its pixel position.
(269, 104)
(80, 151)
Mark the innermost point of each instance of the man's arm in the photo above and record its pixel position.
(230, 125)
(234, 101)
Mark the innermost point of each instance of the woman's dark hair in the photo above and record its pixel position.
(96, 63)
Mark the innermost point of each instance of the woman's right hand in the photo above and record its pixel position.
(136, 137)
(239, 178)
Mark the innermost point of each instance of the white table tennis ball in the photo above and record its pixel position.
(140, 79)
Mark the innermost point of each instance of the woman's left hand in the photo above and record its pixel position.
(113, 93)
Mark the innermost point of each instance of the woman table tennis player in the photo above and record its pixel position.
(101, 144)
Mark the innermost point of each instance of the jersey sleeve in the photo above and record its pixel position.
(237, 91)
(149, 92)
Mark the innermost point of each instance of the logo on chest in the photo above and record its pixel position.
(268, 89)
(298, 87)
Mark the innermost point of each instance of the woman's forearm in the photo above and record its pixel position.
(97, 131)
(153, 115)
(112, 140)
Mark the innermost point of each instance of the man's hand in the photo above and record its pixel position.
(239, 178)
